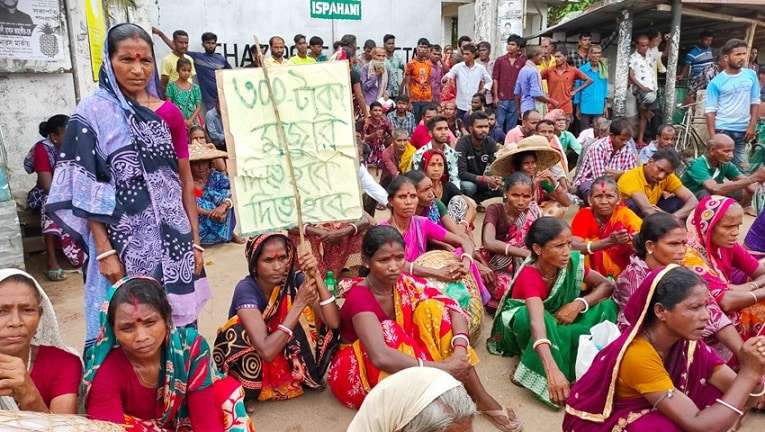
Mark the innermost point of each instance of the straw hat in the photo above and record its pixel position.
(200, 152)
(546, 155)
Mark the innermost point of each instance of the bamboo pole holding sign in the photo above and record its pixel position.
(283, 143)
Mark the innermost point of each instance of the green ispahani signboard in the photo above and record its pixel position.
(336, 9)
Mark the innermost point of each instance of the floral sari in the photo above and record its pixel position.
(422, 329)
(186, 367)
(593, 405)
(709, 260)
(302, 362)
(613, 259)
(216, 191)
(511, 332)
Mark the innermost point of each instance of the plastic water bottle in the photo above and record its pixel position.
(330, 282)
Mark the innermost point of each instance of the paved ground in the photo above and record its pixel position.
(316, 411)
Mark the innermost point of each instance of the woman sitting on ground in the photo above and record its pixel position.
(603, 231)
(414, 400)
(392, 321)
(460, 207)
(41, 160)
(280, 319)
(37, 371)
(545, 312)
(198, 136)
(397, 157)
(430, 207)
(663, 240)
(213, 192)
(419, 231)
(659, 375)
(505, 227)
(147, 374)
(734, 277)
(568, 142)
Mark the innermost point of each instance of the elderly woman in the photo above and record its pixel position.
(659, 375)
(281, 319)
(734, 277)
(392, 321)
(41, 160)
(150, 376)
(604, 230)
(213, 192)
(416, 400)
(123, 187)
(37, 371)
(552, 301)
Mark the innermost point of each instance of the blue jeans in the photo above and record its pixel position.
(479, 192)
(507, 114)
(418, 109)
(739, 152)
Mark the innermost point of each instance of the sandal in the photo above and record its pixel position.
(55, 275)
(501, 419)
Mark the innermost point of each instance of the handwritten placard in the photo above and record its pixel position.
(315, 109)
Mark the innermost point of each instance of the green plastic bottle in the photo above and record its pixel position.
(330, 282)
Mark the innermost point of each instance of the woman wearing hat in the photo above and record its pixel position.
(213, 192)
(534, 157)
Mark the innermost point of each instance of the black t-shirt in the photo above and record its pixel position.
(355, 77)
(15, 24)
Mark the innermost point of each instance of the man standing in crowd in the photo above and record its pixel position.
(395, 66)
(580, 56)
(476, 153)
(528, 127)
(436, 72)
(546, 45)
(417, 79)
(316, 46)
(205, 63)
(301, 56)
(484, 59)
(733, 101)
(643, 79)
(698, 58)
(707, 174)
(461, 42)
(277, 47)
(505, 74)
(366, 53)
(471, 78)
(439, 132)
(179, 46)
(610, 156)
(560, 82)
(528, 87)
(592, 98)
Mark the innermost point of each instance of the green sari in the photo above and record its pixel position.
(511, 332)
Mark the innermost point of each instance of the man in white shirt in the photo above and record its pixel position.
(643, 79)
(471, 78)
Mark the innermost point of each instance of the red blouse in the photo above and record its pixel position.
(529, 283)
(55, 372)
(358, 299)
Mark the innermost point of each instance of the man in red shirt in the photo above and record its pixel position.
(505, 73)
(560, 81)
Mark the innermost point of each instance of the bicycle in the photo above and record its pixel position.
(689, 143)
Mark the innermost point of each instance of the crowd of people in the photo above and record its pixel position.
(133, 186)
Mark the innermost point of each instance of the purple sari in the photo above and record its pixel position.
(593, 404)
(117, 166)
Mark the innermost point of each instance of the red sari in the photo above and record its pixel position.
(612, 260)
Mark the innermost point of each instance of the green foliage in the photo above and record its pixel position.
(556, 13)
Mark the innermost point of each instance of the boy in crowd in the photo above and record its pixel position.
(401, 117)
(301, 56)
(316, 48)
(417, 79)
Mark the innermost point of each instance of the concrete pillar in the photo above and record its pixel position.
(485, 13)
(621, 74)
(509, 20)
(674, 52)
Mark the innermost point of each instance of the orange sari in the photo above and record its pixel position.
(612, 260)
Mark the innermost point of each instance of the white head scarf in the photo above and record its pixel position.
(47, 334)
(397, 399)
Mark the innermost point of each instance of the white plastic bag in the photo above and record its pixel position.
(589, 345)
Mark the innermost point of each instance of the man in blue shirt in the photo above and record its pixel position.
(698, 58)
(205, 63)
(592, 99)
(528, 86)
(733, 99)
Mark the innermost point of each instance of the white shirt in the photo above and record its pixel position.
(370, 186)
(644, 69)
(468, 81)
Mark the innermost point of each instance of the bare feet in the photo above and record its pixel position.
(238, 240)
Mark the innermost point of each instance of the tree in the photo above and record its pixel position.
(556, 13)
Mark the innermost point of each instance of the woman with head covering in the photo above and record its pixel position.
(123, 187)
(663, 240)
(658, 375)
(552, 300)
(150, 376)
(392, 321)
(37, 371)
(41, 160)
(603, 231)
(460, 207)
(416, 400)
(281, 332)
(734, 277)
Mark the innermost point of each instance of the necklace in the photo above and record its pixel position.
(398, 228)
(144, 382)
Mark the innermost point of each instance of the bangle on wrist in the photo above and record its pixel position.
(355, 229)
(754, 297)
(199, 248)
(420, 363)
(285, 329)
(466, 255)
(760, 393)
(462, 336)
(584, 301)
(106, 254)
(730, 407)
(543, 341)
(507, 247)
(589, 247)
(411, 268)
(328, 301)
